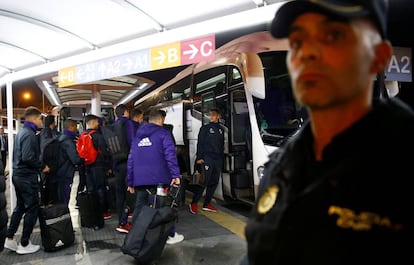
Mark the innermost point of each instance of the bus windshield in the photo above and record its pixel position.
(278, 114)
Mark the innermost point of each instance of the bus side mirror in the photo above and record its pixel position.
(253, 70)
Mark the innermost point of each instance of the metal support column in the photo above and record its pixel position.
(10, 129)
(96, 101)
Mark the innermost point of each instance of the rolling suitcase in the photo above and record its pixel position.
(148, 235)
(56, 228)
(89, 210)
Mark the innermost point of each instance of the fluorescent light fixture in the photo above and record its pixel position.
(133, 93)
(51, 93)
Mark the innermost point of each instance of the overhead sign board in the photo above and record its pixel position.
(155, 58)
(399, 67)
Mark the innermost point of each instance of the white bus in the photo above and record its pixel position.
(249, 83)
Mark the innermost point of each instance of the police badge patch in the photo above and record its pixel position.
(268, 199)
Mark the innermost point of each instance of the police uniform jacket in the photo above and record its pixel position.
(353, 207)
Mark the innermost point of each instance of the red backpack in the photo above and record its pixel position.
(85, 147)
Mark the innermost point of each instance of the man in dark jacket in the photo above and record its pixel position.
(49, 130)
(97, 172)
(120, 170)
(49, 180)
(4, 146)
(210, 153)
(3, 211)
(68, 160)
(152, 161)
(26, 169)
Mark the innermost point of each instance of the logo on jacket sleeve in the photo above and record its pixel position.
(145, 142)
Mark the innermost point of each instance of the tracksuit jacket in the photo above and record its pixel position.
(152, 159)
(68, 157)
(26, 155)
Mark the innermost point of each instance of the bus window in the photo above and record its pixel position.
(210, 91)
(235, 77)
(240, 117)
(208, 80)
(278, 114)
(179, 90)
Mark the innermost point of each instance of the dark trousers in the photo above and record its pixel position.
(27, 194)
(212, 168)
(142, 200)
(4, 158)
(50, 190)
(63, 191)
(96, 182)
(120, 172)
(82, 180)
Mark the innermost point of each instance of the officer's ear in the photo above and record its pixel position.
(383, 53)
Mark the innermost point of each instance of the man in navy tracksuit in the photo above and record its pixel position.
(210, 152)
(120, 170)
(26, 168)
(68, 160)
(97, 172)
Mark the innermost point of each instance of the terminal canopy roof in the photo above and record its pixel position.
(34, 34)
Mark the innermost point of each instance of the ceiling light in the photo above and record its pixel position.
(51, 94)
(133, 93)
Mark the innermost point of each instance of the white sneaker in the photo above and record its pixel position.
(177, 238)
(10, 244)
(30, 248)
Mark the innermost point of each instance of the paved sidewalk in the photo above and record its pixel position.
(206, 242)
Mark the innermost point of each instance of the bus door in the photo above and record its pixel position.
(240, 142)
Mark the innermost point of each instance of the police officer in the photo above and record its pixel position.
(210, 153)
(339, 192)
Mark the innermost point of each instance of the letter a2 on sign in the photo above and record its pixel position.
(197, 50)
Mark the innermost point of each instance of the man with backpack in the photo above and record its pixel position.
(128, 129)
(48, 138)
(92, 148)
(68, 160)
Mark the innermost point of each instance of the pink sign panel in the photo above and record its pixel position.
(197, 50)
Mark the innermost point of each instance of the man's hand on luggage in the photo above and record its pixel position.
(46, 169)
(131, 190)
(175, 182)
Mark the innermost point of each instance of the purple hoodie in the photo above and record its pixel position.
(152, 159)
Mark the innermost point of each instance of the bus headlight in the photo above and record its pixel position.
(260, 172)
